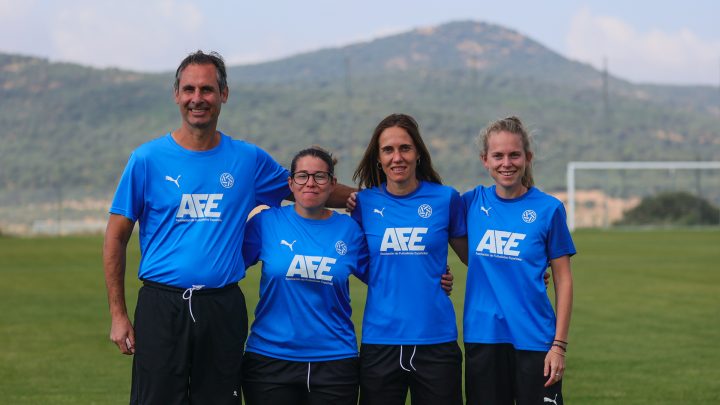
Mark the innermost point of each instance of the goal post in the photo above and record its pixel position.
(572, 167)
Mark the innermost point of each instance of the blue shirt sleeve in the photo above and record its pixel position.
(271, 185)
(467, 199)
(363, 261)
(559, 241)
(356, 214)
(252, 244)
(458, 225)
(129, 200)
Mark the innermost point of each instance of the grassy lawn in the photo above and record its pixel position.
(645, 329)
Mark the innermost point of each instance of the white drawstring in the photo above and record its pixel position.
(308, 377)
(411, 359)
(187, 295)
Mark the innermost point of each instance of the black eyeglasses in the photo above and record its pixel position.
(301, 178)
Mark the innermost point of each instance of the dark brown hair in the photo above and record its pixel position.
(202, 58)
(369, 174)
(317, 152)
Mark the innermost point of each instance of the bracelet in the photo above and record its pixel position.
(561, 341)
(556, 352)
(560, 346)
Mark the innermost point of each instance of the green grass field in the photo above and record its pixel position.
(645, 329)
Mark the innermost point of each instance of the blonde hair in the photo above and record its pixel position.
(512, 125)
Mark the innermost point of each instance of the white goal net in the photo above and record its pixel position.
(592, 206)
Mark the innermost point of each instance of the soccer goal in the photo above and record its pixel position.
(573, 167)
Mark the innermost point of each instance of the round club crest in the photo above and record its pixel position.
(529, 216)
(227, 180)
(341, 248)
(425, 211)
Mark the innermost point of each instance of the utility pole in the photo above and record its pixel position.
(349, 114)
(606, 104)
(60, 209)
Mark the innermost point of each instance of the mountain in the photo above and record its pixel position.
(453, 47)
(66, 130)
(461, 47)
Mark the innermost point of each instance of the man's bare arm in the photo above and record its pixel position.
(117, 235)
(339, 196)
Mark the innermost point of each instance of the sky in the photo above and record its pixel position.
(660, 41)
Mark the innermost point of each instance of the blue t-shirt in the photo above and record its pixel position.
(304, 308)
(192, 207)
(510, 245)
(407, 238)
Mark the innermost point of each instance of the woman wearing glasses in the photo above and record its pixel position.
(409, 336)
(302, 347)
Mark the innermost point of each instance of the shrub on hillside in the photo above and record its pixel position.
(672, 208)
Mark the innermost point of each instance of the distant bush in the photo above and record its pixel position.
(673, 208)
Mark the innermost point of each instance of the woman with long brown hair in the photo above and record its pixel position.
(409, 336)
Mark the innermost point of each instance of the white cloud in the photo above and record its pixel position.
(13, 9)
(131, 34)
(21, 28)
(655, 56)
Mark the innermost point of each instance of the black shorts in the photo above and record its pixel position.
(432, 373)
(267, 380)
(179, 360)
(499, 374)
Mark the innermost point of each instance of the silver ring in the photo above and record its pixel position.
(557, 374)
